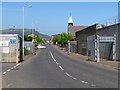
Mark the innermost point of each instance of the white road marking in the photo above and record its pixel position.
(51, 55)
(74, 78)
(18, 64)
(70, 76)
(8, 70)
(54, 58)
(12, 68)
(66, 72)
(4, 73)
(57, 63)
(84, 82)
(61, 68)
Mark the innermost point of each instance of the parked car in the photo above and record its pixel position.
(41, 47)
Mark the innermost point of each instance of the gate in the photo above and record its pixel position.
(93, 45)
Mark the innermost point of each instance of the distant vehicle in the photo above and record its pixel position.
(41, 47)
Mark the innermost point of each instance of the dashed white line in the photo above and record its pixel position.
(61, 68)
(4, 73)
(8, 70)
(14, 66)
(66, 72)
(84, 82)
(54, 58)
(52, 55)
(18, 64)
(70, 76)
(11, 68)
(57, 63)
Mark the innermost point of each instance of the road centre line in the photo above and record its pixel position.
(61, 68)
(53, 58)
(70, 76)
(85, 82)
(57, 63)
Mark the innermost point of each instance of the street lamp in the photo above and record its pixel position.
(29, 6)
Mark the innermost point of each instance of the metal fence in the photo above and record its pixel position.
(30, 46)
(10, 48)
(73, 47)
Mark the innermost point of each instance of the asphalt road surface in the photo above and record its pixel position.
(51, 69)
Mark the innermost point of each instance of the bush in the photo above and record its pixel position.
(26, 51)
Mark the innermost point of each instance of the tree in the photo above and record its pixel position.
(70, 37)
(63, 38)
(27, 38)
(56, 39)
(37, 40)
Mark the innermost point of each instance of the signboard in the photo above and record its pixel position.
(5, 49)
(12, 40)
(4, 43)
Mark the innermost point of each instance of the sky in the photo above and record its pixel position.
(52, 17)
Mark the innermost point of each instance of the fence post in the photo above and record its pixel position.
(68, 47)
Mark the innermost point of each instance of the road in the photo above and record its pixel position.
(51, 69)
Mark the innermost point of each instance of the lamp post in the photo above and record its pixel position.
(23, 26)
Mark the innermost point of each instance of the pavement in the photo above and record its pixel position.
(51, 68)
(103, 62)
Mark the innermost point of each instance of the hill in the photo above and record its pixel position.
(26, 32)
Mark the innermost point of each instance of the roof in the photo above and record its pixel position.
(74, 29)
(77, 28)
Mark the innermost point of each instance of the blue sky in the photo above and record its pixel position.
(52, 17)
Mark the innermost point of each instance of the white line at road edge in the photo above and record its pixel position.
(4, 73)
(11, 68)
